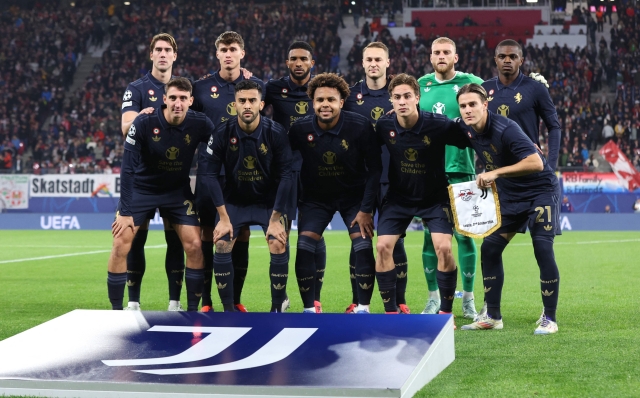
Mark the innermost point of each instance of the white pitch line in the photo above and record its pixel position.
(21, 260)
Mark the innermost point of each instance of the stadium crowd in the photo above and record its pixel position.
(83, 134)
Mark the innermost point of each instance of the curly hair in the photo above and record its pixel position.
(330, 80)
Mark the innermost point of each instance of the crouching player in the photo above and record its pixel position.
(159, 150)
(257, 161)
(527, 188)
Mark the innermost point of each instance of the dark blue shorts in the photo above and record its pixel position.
(382, 193)
(176, 206)
(204, 203)
(395, 218)
(316, 216)
(294, 195)
(245, 216)
(540, 215)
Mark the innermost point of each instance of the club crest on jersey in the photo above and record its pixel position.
(487, 156)
(263, 149)
(151, 96)
(345, 145)
(359, 99)
(187, 139)
(428, 83)
(456, 88)
(214, 90)
(426, 140)
(469, 134)
(284, 93)
(518, 98)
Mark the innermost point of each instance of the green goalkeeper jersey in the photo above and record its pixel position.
(440, 97)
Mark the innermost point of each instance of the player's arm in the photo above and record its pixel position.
(455, 133)
(131, 107)
(214, 155)
(130, 159)
(515, 141)
(545, 108)
(373, 162)
(282, 161)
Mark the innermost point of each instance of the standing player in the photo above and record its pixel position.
(159, 149)
(370, 98)
(340, 172)
(438, 95)
(256, 156)
(215, 96)
(417, 185)
(525, 101)
(290, 102)
(145, 96)
(527, 190)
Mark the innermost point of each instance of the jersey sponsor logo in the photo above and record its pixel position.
(329, 157)
(126, 104)
(411, 154)
(503, 110)
(302, 107)
(345, 145)
(214, 90)
(263, 149)
(151, 96)
(487, 156)
(376, 113)
(438, 108)
(359, 99)
(231, 109)
(518, 98)
(172, 153)
(127, 95)
(132, 131)
(249, 162)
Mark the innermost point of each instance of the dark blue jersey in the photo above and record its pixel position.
(216, 98)
(416, 168)
(290, 102)
(258, 165)
(372, 104)
(158, 155)
(503, 143)
(143, 93)
(526, 101)
(340, 163)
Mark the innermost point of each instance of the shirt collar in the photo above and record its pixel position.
(255, 135)
(294, 87)
(416, 127)
(335, 130)
(487, 127)
(222, 82)
(513, 85)
(364, 89)
(165, 124)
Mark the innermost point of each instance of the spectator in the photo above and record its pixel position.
(566, 206)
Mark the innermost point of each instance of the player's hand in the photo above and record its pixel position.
(365, 222)
(147, 111)
(539, 78)
(120, 225)
(223, 228)
(484, 180)
(245, 73)
(391, 112)
(276, 229)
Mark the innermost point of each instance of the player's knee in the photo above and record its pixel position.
(543, 246)
(121, 247)
(492, 247)
(276, 247)
(384, 247)
(223, 246)
(443, 248)
(192, 247)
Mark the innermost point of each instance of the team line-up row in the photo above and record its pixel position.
(331, 148)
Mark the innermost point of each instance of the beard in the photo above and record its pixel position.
(300, 77)
(248, 119)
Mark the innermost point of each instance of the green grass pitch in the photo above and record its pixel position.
(44, 274)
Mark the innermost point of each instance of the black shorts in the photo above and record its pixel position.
(294, 195)
(540, 215)
(245, 216)
(176, 206)
(316, 216)
(204, 203)
(394, 218)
